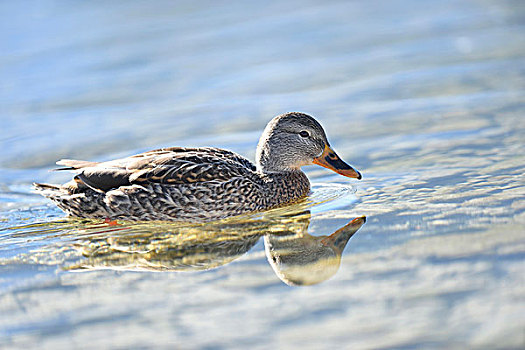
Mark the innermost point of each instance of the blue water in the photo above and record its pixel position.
(426, 99)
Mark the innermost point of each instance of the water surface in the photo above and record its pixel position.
(426, 99)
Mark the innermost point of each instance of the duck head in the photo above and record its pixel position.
(294, 139)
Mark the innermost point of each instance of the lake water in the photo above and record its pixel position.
(425, 98)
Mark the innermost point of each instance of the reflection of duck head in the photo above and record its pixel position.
(302, 259)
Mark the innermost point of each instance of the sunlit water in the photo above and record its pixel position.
(425, 98)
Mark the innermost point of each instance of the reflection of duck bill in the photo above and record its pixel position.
(340, 237)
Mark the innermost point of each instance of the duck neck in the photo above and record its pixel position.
(268, 161)
(285, 182)
(269, 167)
(286, 186)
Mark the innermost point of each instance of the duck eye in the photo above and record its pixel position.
(304, 133)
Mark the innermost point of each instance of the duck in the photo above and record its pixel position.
(199, 184)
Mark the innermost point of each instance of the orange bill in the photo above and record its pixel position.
(330, 160)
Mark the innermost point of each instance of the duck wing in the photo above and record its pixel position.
(171, 166)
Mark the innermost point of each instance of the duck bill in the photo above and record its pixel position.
(330, 160)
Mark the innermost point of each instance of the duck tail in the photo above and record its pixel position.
(47, 190)
(72, 164)
(70, 199)
(43, 187)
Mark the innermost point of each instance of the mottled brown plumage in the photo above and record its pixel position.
(199, 184)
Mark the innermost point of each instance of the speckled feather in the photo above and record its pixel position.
(181, 184)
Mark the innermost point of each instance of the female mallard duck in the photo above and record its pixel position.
(200, 184)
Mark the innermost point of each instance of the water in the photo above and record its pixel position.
(426, 99)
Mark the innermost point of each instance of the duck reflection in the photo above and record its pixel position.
(297, 257)
(169, 247)
(303, 259)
